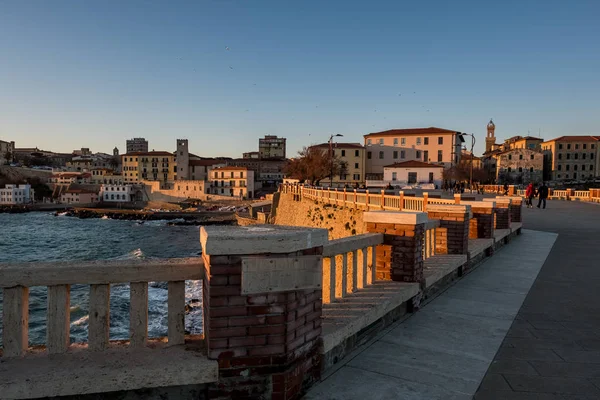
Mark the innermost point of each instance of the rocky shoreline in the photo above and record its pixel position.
(142, 216)
(14, 209)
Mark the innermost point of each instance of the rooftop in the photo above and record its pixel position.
(413, 131)
(339, 146)
(148, 153)
(576, 138)
(413, 164)
(229, 168)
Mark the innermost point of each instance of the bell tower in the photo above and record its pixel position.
(490, 139)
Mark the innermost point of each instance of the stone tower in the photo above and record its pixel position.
(115, 152)
(490, 139)
(183, 160)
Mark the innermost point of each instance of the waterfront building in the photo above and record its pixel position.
(517, 165)
(266, 172)
(430, 145)
(79, 196)
(232, 181)
(353, 155)
(572, 157)
(119, 193)
(199, 170)
(149, 166)
(7, 150)
(71, 177)
(80, 163)
(16, 194)
(251, 154)
(271, 147)
(105, 175)
(410, 173)
(136, 145)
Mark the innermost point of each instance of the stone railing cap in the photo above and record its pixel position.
(395, 217)
(450, 208)
(259, 239)
(500, 200)
(479, 204)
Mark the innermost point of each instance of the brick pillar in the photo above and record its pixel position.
(400, 257)
(570, 193)
(502, 212)
(452, 237)
(512, 190)
(264, 332)
(516, 204)
(481, 226)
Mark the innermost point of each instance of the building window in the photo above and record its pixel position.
(576, 146)
(426, 156)
(560, 167)
(591, 167)
(355, 165)
(418, 141)
(368, 155)
(568, 146)
(592, 146)
(560, 146)
(356, 153)
(231, 174)
(394, 176)
(510, 156)
(531, 157)
(568, 167)
(583, 167)
(381, 155)
(520, 169)
(520, 156)
(440, 155)
(381, 142)
(369, 142)
(583, 156)
(343, 153)
(531, 169)
(509, 169)
(560, 156)
(431, 177)
(241, 174)
(575, 167)
(426, 140)
(441, 140)
(576, 156)
(558, 176)
(418, 154)
(356, 177)
(575, 175)
(402, 154)
(591, 155)
(568, 156)
(395, 155)
(395, 141)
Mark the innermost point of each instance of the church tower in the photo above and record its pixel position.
(490, 140)
(183, 160)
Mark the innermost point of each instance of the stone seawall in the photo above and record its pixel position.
(339, 221)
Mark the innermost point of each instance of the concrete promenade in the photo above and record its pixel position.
(465, 341)
(552, 350)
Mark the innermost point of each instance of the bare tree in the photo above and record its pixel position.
(314, 164)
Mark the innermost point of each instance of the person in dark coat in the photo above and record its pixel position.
(543, 195)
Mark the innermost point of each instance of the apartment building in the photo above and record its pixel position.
(136, 145)
(232, 181)
(430, 145)
(79, 196)
(353, 155)
(271, 147)
(16, 194)
(118, 193)
(571, 157)
(149, 166)
(7, 150)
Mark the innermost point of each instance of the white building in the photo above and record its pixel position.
(410, 173)
(117, 193)
(232, 181)
(16, 194)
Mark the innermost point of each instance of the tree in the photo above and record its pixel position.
(314, 164)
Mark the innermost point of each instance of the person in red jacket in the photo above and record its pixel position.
(530, 194)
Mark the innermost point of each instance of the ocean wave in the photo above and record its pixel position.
(136, 254)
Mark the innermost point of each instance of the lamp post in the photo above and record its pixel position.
(331, 156)
(472, 145)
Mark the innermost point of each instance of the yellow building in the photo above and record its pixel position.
(353, 154)
(571, 158)
(149, 166)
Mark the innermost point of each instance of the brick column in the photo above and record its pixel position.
(481, 226)
(502, 212)
(516, 204)
(268, 344)
(400, 257)
(452, 237)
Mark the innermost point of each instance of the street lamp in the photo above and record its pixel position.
(472, 145)
(331, 156)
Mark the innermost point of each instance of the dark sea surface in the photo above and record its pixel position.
(39, 236)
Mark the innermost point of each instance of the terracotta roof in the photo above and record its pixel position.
(340, 146)
(582, 138)
(208, 163)
(148, 153)
(413, 164)
(412, 131)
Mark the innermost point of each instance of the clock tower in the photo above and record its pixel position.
(490, 139)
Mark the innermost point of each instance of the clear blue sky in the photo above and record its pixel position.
(92, 74)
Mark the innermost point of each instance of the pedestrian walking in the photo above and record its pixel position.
(529, 195)
(543, 195)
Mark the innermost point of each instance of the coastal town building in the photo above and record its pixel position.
(200, 169)
(119, 193)
(79, 196)
(251, 154)
(80, 163)
(71, 177)
(106, 176)
(7, 150)
(413, 173)
(572, 157)
(136, 145)
(266, 172)
(271, 147)
(353, 157)
(430, 145)
(149, 166)
(232, 181)
(466, 159)
(518, 165)
(16, 194)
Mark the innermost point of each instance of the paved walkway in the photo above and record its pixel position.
(552, 350)
(444, 350)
